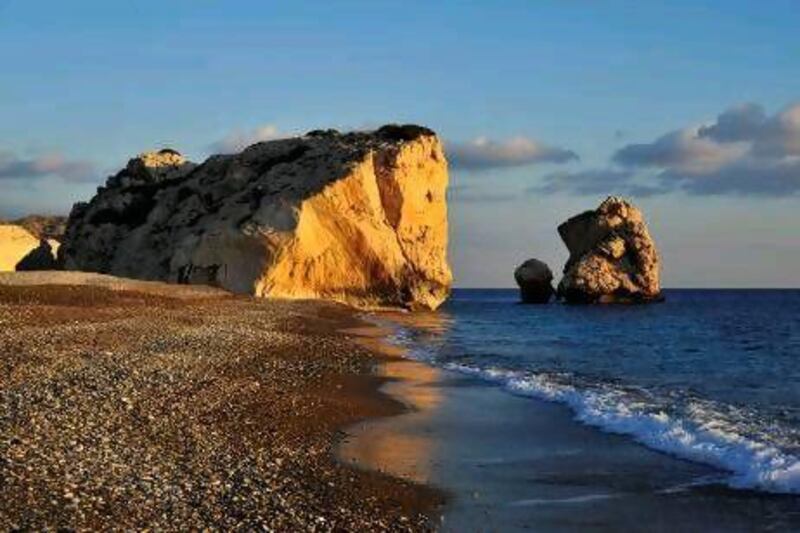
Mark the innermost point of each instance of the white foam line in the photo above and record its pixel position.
(588, 498)
(753, 464)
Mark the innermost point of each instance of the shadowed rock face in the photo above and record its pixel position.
(42, 257)
(612, 259)
(535, 279)
(359, 218)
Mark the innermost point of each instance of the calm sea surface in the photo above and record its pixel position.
(712, 376)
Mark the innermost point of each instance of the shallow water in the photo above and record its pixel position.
(711, 376)
(678, 415)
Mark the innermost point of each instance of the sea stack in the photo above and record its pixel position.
(535, 280)
(612, 258)
(358, 218)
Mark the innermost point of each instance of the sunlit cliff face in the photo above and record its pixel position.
(359, 218)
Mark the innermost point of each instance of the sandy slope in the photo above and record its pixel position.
(15, 243)
(90, 279)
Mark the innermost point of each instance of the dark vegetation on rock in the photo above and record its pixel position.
(41, 258)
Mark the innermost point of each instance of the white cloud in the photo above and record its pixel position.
(238, 140)
(775, 136)
(51, 164)
(752, 176)
(684, 150)
(483, 153)
(780, 135)
(738, 123)
(744, 151)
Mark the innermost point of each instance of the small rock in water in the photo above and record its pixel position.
(535, 279)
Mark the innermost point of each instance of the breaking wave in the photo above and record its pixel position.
(724, 437)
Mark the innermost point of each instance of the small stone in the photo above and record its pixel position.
(535, 279)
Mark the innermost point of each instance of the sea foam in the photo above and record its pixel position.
(702, 434)
(758, 455)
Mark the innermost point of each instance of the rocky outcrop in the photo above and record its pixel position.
(612, 259)
(15, 243)
(43, 257)
(535, 280)
(43, 226)
(359, 218)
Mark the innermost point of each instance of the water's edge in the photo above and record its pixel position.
(509, 457)
(707, 438)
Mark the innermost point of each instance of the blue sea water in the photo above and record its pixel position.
(712, 376)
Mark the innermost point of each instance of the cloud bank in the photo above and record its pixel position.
(238, 140)
(466, 194)
(744, 151)
(483, 153)
(54, 164)
(597, 181)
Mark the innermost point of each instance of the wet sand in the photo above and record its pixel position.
(134, 405)
(514, 463)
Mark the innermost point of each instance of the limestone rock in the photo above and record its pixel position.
(151, 168)
(359, 218)
(535, 279)
(15, 243)
(612, 259)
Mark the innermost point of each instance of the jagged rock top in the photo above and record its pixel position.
(42, 226)
(168, 166)
(612, 256)
(273, 219)
(150, 168)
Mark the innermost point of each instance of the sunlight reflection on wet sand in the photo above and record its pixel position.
(395, 445)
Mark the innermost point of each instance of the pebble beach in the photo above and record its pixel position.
(136, 405)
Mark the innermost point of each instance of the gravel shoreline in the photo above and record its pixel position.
(129, 407)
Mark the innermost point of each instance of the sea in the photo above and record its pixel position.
(681, 415)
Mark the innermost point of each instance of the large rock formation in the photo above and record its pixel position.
(15, 243)
(612, 258)
(535, 280)
(357, 217)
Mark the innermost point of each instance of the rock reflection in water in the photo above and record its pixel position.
(399, 445)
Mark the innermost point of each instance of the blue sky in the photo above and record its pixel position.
(86, 85)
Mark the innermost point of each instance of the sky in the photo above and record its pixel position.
(689, 108)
